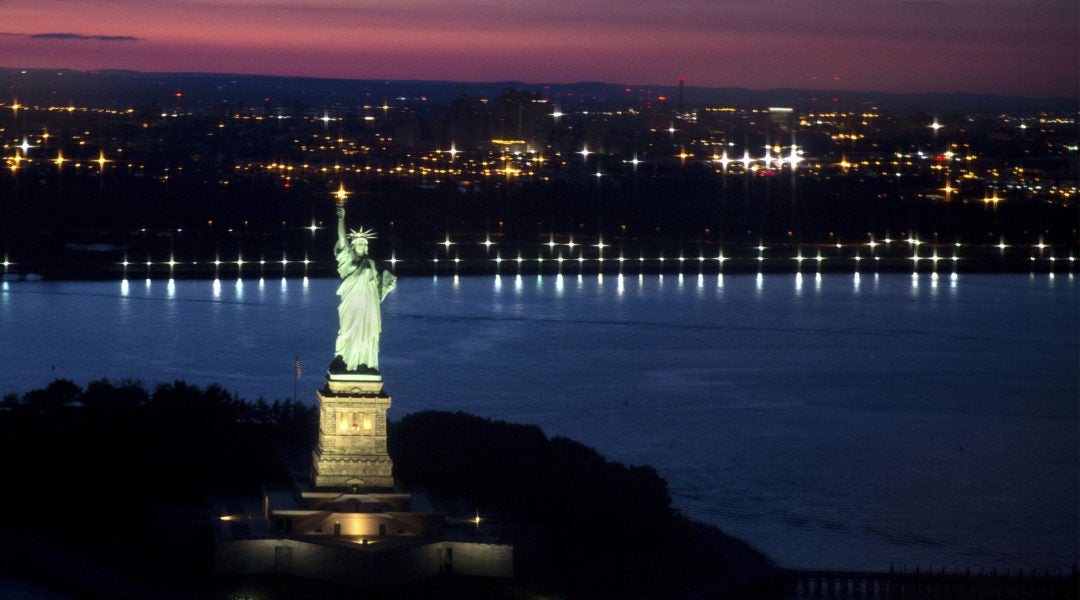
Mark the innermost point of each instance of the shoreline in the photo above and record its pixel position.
(570, 268)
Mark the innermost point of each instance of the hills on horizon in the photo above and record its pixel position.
(124, 89)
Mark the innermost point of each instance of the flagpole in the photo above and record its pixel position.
(296, 380)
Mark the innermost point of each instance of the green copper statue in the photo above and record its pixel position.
(362, 289)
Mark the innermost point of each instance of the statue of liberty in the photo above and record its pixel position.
(361, 291)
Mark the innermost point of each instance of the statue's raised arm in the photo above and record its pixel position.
(342, 240)
(362, 289)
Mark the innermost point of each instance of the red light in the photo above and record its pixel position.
(939, 159)
(661, 98)
(628, 90)
(178, 94)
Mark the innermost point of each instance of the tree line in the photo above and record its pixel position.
(112, 472)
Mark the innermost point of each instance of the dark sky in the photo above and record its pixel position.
(1014, 47)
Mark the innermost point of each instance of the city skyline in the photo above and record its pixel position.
(997, 46)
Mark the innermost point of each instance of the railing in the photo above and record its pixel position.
(930, 585)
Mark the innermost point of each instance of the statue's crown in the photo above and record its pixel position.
(363, 234)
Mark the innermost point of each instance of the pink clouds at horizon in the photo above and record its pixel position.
(1027, 48)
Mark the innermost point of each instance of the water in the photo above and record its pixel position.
(833, 421)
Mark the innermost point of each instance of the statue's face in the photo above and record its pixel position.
(360, 246)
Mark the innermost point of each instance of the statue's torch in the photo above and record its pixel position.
(341, 194)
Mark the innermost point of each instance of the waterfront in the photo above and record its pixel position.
(835, 421)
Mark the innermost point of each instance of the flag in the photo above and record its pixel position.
(299, 371)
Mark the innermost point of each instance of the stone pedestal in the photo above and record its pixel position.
(351, 452)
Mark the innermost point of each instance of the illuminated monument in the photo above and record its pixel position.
(351, 451)
(353, 528)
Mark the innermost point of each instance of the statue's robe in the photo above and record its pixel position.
(361, 291)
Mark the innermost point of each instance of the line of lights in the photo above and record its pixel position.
(1038, 252)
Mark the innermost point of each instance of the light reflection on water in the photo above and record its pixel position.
(855, 421)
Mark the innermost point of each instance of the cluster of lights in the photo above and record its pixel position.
(518, 164)
(172, 263)
(22, 151)
(767, 161)
(554, 255)
(955, 157)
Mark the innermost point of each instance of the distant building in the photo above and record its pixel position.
(783, 119)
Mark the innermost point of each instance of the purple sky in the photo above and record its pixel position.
(1015, 47)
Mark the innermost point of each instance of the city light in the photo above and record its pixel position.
(518, 172)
